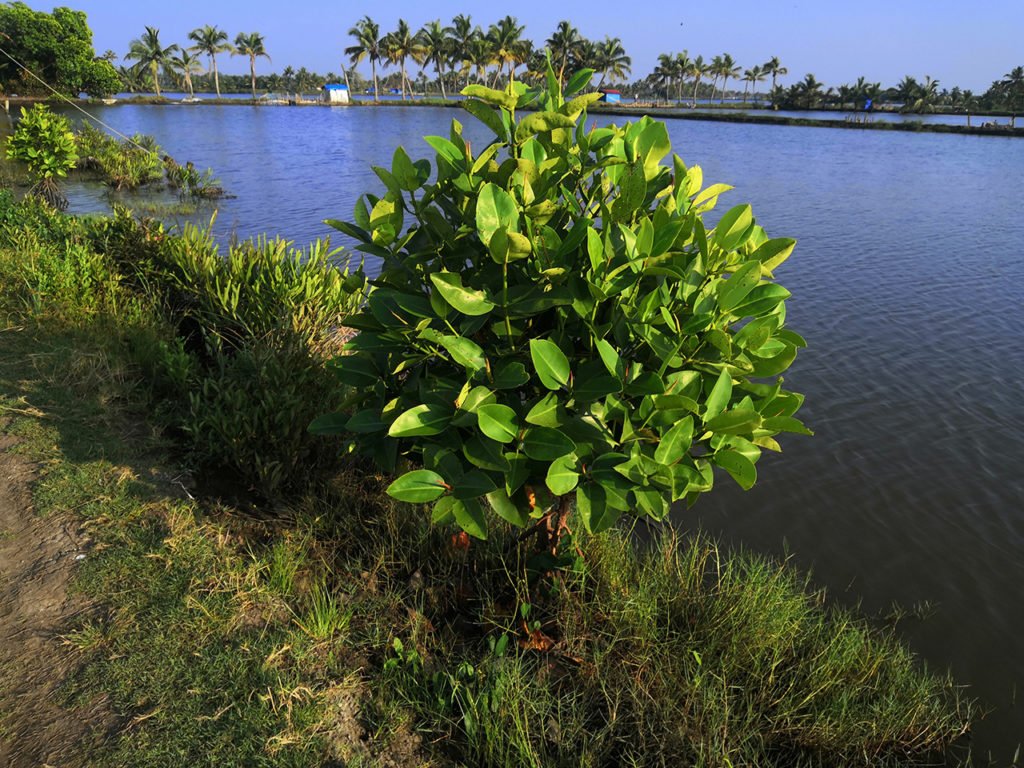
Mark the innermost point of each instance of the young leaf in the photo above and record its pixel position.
(675, 443)
(546, 444)
(720, 395)
(495, 208)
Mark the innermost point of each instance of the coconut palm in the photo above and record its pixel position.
(729, 68)
(251, 45)
(480, 54)
(186, 65)
(715, 70)
(400, 46)
(210, 41)
(774, 68)
(506, 38)
(751, 77)
(437, 47)
(1013, 86)
(698, 69)
(368, 46)
(462, 33)
(132, 78)
(809, 91)
(564, 43)
(666, 73)
(149, 53)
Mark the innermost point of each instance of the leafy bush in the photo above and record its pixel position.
(45, 143)
(556, 326)
(122, 164)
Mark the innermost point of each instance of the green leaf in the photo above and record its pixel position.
(465, 300)
(510, 375)
(550, 362)
(772, 253)
(441, 513)
(421, 420)
(472, 485)
(539, 122)
(329, 424)
(491, 96)
(466, 353)
(562, 476)
(733, 227)
(720, 395)
(734, 422)
(469, 514)
(591, 388)
(498, 422)
(507, 509)
(447, 149)
(404, 171)
(485, 453)
(710, 195)
(495, 208)
(487, 116)
(739, 466)
(592, 505)
(732, 291)
(632, 191)
(579, 80)
(366, 421)
(354, 370)
(546, 444)
(610, 358)
(417, 487)
(786, 424)
(675, 443)
(546, 412)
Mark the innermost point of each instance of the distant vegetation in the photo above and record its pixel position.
(58, 47)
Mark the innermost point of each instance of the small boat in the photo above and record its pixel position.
(191, 100)
(110, 101)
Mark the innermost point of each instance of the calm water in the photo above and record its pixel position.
(907, 285)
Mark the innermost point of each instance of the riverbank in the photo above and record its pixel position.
(315, 620)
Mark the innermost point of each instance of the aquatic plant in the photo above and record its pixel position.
(556, 329)
(45, 143)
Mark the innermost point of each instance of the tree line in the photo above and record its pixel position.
(58, 47)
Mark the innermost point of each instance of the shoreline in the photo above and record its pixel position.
(728, 114)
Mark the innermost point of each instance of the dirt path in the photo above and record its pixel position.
(37, 560)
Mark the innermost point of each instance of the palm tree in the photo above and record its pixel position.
(1013, 86)
(462, 34)
(729, 69)
(437, 48)
(751, 77)
(809, 90)
(715, 70)
(368, 46)
(697, 70)
(132, 78)
(774, 68)
(506, 38)
(149, 53)
(251, 45)
(563, 43)
(666, 72)
(480, 54)
(399, 46)
(186, 65)
(210, 41)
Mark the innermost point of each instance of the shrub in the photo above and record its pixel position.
(44, 142)
(556, 326)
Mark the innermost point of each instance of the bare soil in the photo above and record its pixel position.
(37, 563)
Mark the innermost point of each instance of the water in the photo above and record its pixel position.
(907, 285)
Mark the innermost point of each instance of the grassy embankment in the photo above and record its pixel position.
(312, 621)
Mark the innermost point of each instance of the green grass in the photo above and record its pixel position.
(337, 627)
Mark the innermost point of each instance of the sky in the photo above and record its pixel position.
(966, 44)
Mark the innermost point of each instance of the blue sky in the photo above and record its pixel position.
(959, 43)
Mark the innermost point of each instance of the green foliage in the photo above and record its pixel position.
(57, 47)
(44, 142)
(554, 323)
(122, 164)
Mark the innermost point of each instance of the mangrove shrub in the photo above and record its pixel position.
(44, 141)
(555, 328)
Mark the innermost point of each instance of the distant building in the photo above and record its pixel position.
(610, 96)
(335, 93)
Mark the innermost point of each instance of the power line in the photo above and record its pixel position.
(60, 95)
